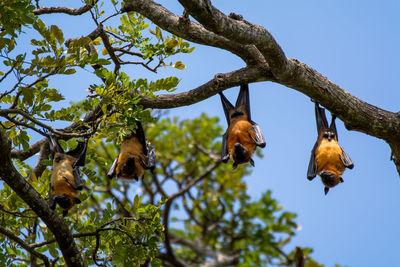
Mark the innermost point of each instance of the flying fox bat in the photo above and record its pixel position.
(136, 155)
(66, 177)
(243, 135)
(328, 159)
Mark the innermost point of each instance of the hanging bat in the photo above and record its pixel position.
(136, 155)
(328, 159)
(66, 178)
(243, 135)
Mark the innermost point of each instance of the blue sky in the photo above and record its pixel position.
(353, 43)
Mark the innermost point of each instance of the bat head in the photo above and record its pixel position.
(60, 159)
(128, 170)
(330, 135)
(329, 179)
(240, 154)
(66, 202)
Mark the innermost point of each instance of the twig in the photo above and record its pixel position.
(25, 246)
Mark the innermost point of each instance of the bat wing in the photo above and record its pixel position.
(244, 99)
(259, 140)
(77, 179)
(320, 116)
(141, 137)
(111, 172)
(312, 169)
(227, 106)
(347, 162)
(54, 145)
(224, 150)
(151, 157)
(52, 203)
(333, 127)
(79, 153)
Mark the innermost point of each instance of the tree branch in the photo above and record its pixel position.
(189, 30)
(25, 246)
(239, 31)
(219, 83)
(31, 197)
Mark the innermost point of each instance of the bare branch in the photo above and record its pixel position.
(239, 31)
(189, 30)
(65, 10)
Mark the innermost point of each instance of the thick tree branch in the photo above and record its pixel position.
(189, 30)
(43, 155)
(219, 83)
(31, 197)
(25, 246)
(238, 31)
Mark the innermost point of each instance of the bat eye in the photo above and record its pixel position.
(58, 159)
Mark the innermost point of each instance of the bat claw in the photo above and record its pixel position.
(252, 162)
(234, 165)
(326, 190)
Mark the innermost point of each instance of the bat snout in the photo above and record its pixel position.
(64, 201)
(240, 153)
(329, 179)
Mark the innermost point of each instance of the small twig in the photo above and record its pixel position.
(52, 72)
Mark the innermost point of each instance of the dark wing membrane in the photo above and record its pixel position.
(259, 140)
(312, 169)
(79, 153)
(244, 99)
(151, 157)
(140, 135)
(320, 116)
(333, 127)
(227, 106)
(347, 162)
(224, 149)
(111, 172)
(77, 179)
(54, 145)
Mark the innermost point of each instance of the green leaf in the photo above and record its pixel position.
(57, 33)
(178, 65)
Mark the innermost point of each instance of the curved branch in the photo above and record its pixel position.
(219, 83)
(31, 197)
(189, 30)
(239, 31)
(65, 10)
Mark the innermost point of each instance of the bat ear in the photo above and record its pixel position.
(326, 190)
(78, 201)
(341, 180)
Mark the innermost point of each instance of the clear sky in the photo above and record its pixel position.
(356, 45)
